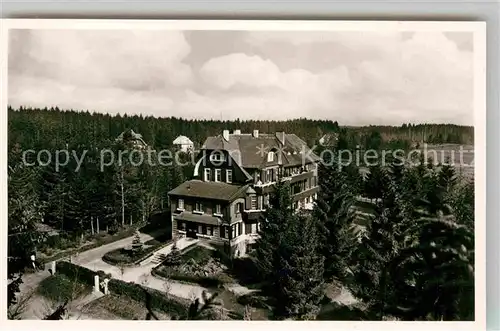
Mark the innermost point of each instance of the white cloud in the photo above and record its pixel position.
(371, 78)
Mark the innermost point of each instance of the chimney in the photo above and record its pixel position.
(281, 137)
(255, 133)
(225, 135)
(237, 132)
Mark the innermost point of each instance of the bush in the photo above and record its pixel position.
(168, 303)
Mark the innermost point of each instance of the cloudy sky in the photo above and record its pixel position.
(356, 78)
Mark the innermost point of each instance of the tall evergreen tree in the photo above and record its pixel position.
(435, 277)
(333, 210)
(300, 287)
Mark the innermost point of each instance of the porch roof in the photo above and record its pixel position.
(204, 219)
(208, 190)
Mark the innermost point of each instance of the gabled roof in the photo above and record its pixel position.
(182, 140)
(251, 152)
(209, 190)
(329, 139)
(133, 136)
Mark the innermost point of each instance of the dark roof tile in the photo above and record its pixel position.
(209, 190)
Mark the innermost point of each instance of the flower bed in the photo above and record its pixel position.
(198, 265)
(127, 257)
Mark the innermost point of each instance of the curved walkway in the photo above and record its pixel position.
(92, 259)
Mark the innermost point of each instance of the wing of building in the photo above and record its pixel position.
(231, 183)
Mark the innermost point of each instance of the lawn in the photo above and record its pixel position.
(59, 288)
(119, 307)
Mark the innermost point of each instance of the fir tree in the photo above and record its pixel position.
(174, 257)
(137, 244)
(435, 277)
(333, 210)
(300, 284)
(273, 227)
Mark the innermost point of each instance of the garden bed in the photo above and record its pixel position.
(127, 257)
(197, 265)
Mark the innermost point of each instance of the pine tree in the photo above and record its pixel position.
(24, 213)
(137, 244)
(333, 210)
(435, 277)
(273, 227)
(174, 257)
(300, 268)
(386, 235)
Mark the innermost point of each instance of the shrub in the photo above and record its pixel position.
(174, 257)
(168, 303)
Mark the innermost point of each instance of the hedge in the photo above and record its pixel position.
(171, 304)
(97, 243)
(157, 300)
(81, 274)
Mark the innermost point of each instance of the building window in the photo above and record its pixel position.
(181, 226)
(229, 176)
(210, 230)
(240, 228)
(253, 202)
(218, 175)
(226, 232)
(198, 207)
(270, 157)
(217, 156)
(218, 209)
(239, 207)
(207, 174)
(180, 204)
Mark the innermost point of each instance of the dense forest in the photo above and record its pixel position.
(413, 260)
(53, 128)
(421, 219)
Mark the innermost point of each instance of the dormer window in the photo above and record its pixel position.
(216, 156)
(270, 156)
